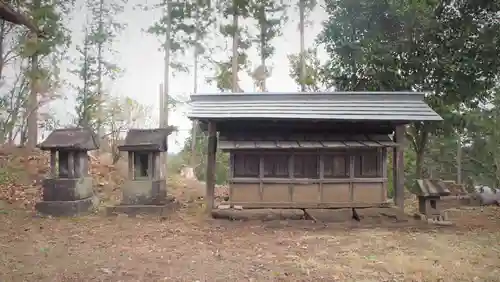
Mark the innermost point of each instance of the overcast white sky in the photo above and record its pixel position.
(139, 55)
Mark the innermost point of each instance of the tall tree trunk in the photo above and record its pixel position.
(235, 69)
(263, 40)
(166, 75)
(302, 12)
(2, 39)
(85, 115)
(194, 133)
(100, 115)
(32, 106)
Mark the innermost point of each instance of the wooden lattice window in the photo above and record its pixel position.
(336, 166)
(368, 164)
(246, 165)
(306, 166)
(276, 165)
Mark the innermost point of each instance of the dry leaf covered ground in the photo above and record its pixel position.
(189, 247)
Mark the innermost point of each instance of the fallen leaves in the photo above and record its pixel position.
(22, 173)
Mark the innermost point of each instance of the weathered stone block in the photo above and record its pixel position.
(133, 210)
(67, 189)
(144, 192)
(68, 208)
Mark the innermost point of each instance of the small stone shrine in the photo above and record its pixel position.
(429, 193)
(68, 190)
(145, 191)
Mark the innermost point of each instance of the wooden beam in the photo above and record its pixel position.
(399, 166)
(305, 181)
(212, 150)
(299, 205)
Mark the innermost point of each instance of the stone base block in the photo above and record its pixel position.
(134, 210)
(67, 189)
(144, 192)
(68, 208)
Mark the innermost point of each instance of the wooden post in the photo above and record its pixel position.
(212, 149)
(383, 172)
(231, 176)
(261, 177)
(291, 175)
(398, 165)
(352, 174)
(459, 159)
(321, 173)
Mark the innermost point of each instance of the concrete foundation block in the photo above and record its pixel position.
(168, 205)
(68, 208)
(144, 192)
(134, 210)
(67, 189)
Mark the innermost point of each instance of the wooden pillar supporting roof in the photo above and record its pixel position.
(210, 173)
(398, 166)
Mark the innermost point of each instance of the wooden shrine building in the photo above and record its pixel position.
(309, 150)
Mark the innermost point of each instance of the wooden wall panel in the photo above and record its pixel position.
(276, 193)
(245, 192)
(336, 193)
(306, 193)
(368, 192)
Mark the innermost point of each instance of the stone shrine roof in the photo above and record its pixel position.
(71, 139)
(151, 140)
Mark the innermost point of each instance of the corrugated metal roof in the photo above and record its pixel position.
(354, 141)
(431, 187)
(390, 106)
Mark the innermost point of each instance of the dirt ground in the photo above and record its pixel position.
(189, 247)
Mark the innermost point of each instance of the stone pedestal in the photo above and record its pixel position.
(144, 197)
(430, 208)
(67, 197)
(144, 192)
